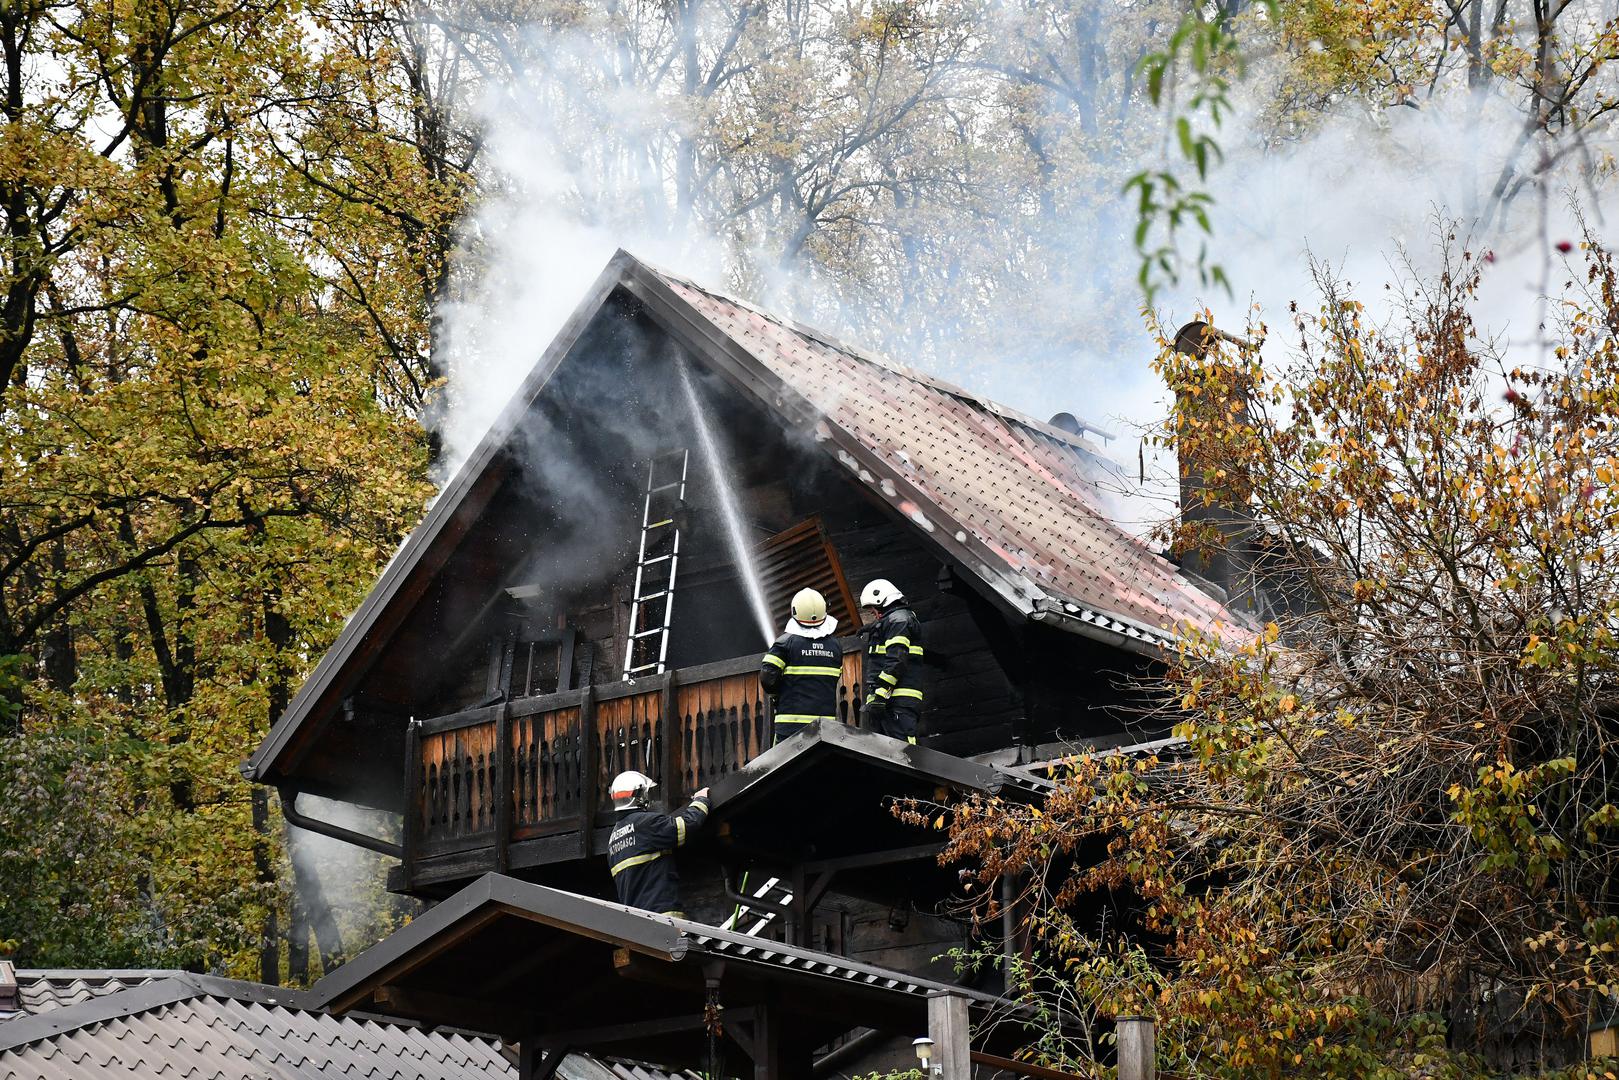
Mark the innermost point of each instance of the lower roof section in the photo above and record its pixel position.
(572, 972)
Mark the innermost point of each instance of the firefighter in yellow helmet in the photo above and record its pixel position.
(801, 670)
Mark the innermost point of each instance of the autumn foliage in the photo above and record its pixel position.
(1388, 840)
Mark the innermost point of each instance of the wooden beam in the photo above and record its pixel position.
(589, 760)
(669, 763)
(411, 831)
(766, 1044)
(1024, 1068)
(615, 1034)
(504, 772)
(875, 858)
(449, 940)
(950, 1030)
(538, 1062)
(652, 969)
(1138, 1048)
(430, 1006)
(529, 964)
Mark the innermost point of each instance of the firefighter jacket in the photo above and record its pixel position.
(801, 673)
(640, 854)
(894, 660)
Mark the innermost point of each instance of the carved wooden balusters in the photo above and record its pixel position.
(718, 724)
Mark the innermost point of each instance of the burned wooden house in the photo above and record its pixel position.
(578, 601)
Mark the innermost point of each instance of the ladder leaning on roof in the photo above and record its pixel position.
(750, 920)
(653, 602)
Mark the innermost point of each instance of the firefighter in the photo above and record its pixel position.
(893, 687)
(640, 851)
(801, 670)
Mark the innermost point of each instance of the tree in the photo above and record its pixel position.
(1406, 802)
(200, 455)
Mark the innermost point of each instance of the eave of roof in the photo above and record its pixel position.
(933, 766)
(659, 936)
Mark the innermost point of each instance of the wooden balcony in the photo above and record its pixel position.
(523, 783)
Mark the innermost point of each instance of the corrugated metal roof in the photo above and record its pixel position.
(208, 1037)
(44, 989)
(172, 1024)
(1027, 491)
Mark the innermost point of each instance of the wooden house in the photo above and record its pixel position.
(521, 648)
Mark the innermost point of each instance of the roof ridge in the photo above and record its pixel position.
(877, 359)
(147, 997)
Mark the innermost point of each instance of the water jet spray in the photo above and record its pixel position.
(741, 549)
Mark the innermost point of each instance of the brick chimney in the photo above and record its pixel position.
(1227, 564)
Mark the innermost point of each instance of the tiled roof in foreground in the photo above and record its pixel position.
(91, 1024)
(42, 989)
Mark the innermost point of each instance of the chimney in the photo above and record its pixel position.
(1226, 563)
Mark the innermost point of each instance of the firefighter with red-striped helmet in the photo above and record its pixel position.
(641, 848)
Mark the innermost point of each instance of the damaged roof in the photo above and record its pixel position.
(1020, 495)
(1009, 502)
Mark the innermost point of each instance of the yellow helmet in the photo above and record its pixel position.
(809, 608)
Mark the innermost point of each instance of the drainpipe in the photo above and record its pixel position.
(289, 810)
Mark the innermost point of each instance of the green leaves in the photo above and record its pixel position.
(1206, 50)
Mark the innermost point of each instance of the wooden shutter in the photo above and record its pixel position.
(803, 557)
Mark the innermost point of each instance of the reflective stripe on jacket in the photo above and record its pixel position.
(894, 651)
(801, 674)
(640, 855)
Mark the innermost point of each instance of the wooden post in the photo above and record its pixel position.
(1138, 1048)
(504, 774)
(767, 1063)
(952, 1038)
(410, 841)
(589, 787)
(669, 747)
(535, 1062)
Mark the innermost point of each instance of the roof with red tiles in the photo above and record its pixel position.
(1033, 494)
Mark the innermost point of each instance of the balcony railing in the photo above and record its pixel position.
(495, 779)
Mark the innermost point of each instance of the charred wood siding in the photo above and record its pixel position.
(971, 704)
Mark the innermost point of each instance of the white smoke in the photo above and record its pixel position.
(1365, 192)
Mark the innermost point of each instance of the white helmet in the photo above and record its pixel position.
(880, 594)
(809, 607)
(632, 790)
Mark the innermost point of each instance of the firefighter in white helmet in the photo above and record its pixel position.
(893, 687)
(640, 851)
(801, 670)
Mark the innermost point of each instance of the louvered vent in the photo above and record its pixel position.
(802, 557)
